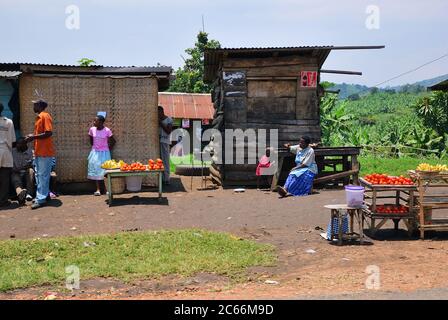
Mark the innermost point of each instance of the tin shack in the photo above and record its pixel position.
(128, 95)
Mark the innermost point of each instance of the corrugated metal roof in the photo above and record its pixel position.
(187, 105)
(271, 48)
(443, 86)
(9, 74)
(17, 65)
(41, 67)
(163, 73)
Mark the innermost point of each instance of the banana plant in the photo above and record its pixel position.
(335, 121)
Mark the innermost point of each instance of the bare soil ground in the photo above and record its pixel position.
(293, 225)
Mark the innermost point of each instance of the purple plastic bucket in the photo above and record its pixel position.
(354, 196)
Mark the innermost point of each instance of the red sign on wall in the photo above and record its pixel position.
(308, 79)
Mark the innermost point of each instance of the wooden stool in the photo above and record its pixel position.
(337, 211)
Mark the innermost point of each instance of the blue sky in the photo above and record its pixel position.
(137, 32)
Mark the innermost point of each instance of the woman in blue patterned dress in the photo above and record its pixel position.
(301, 177)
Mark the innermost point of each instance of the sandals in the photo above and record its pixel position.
(22, 197)
(282, 192)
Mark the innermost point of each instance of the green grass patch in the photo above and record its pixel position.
(128, 256)
(391, 166)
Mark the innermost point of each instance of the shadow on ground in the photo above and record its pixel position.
(403, 235)
(56, 203)
(137, 200)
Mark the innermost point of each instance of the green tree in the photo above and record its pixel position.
(86, 62)
(334, 120)
(189, 78)
(327, 85)
(434, 112)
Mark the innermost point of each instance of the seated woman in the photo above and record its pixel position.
(300, 179)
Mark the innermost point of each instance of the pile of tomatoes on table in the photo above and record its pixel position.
(155, 165)
(135, 166)
(384, 179)
(392, 209)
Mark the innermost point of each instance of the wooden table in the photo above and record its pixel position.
(325, 157)
(373, 193)
(117, 173)
(428, 200)
(337, 212)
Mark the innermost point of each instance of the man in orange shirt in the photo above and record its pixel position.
(43, 151)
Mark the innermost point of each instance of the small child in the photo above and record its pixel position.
(263, 165)
(102, 142)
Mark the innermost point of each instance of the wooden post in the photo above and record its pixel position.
(361, 230)
(109, 187)
(374, 200)
(346, 167)
(352, 214)
(355, 166)
(276, 176)
(160, 185)
(422, 209)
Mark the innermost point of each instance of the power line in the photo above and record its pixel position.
(405, 73)
(413, 70)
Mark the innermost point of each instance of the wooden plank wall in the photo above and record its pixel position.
(265, 93)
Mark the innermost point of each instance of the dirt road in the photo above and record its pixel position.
(293, 225)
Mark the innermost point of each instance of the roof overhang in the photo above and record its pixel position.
(213, 57)
(9, 74)
(441, 86)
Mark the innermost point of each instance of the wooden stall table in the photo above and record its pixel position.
(337, 211)
(117, 173)
(428, 199)
(375, 192)
(347, 157)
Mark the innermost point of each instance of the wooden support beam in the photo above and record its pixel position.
(336, 176)
(356, 73)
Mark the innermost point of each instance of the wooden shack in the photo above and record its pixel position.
(129, 96)
(265, 88)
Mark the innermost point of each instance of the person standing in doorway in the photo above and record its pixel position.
(166, 127)
(44, 151)
(7, 138)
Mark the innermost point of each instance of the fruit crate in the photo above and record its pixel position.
(389, 209)
(376, 195)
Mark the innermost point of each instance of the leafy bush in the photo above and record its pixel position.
(388, 124)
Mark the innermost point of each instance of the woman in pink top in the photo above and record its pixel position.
(264, 164)
(102, 142)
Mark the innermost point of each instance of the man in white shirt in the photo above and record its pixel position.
(7, 138)
(166, 127)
